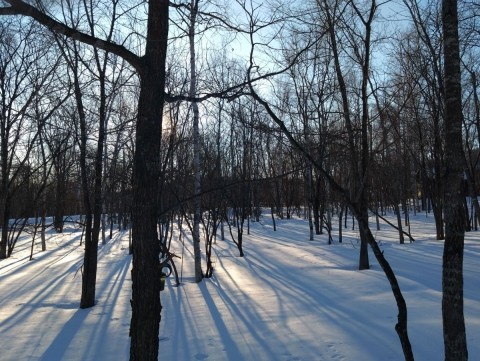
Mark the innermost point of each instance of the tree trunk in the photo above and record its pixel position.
(4, 235)
(363, 261)
(273, 219)
(399, 223)
(438, 215)
(377, 220)
(452, 282)
(146, 305)
(4, 208)
(340, 215)
(310, 196)
(43, 221)
(473, 193)
(240, 240)
(59, 200)
(89, 272)
(197, 212)
(401, 326)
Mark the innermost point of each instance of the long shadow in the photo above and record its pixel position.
(302, 294)
(38, 297)
(231, 348)
(112, 313)
(61, 343)
(68, 247)
(178, 335)
(254, 313)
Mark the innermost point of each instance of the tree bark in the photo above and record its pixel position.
(452, 282)
(146, 305)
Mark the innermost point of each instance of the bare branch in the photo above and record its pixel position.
(18, 7)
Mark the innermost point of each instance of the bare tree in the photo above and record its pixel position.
(354, 201)
(27, 72)
(150, 67)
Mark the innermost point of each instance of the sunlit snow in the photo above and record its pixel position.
(288, 299)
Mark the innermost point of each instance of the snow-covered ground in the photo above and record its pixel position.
(288, 299)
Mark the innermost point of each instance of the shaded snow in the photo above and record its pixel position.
(288, 299)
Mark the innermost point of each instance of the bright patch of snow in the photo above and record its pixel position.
(288, 299)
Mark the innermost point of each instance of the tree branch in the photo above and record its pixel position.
(392, 225)
(18, 7)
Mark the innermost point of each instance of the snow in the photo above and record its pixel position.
(288, 299)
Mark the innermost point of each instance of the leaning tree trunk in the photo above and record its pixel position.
(401, 326)
(452, 282)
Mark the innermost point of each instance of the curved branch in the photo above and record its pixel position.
(18, 7)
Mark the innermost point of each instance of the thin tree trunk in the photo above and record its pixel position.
(196, 146)
(340, 215)
(43, 220)
(274, 223)
(399, 223)
(438, 215)
(4, 206)
(377, 219)
(310, 201)
(89, 271)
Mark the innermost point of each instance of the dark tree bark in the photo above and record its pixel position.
(146, 306)
(399, 222)
(452, 282)
(471, 164)
(89, 274)
(60, 190)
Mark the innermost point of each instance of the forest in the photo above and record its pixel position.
(206, 115)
